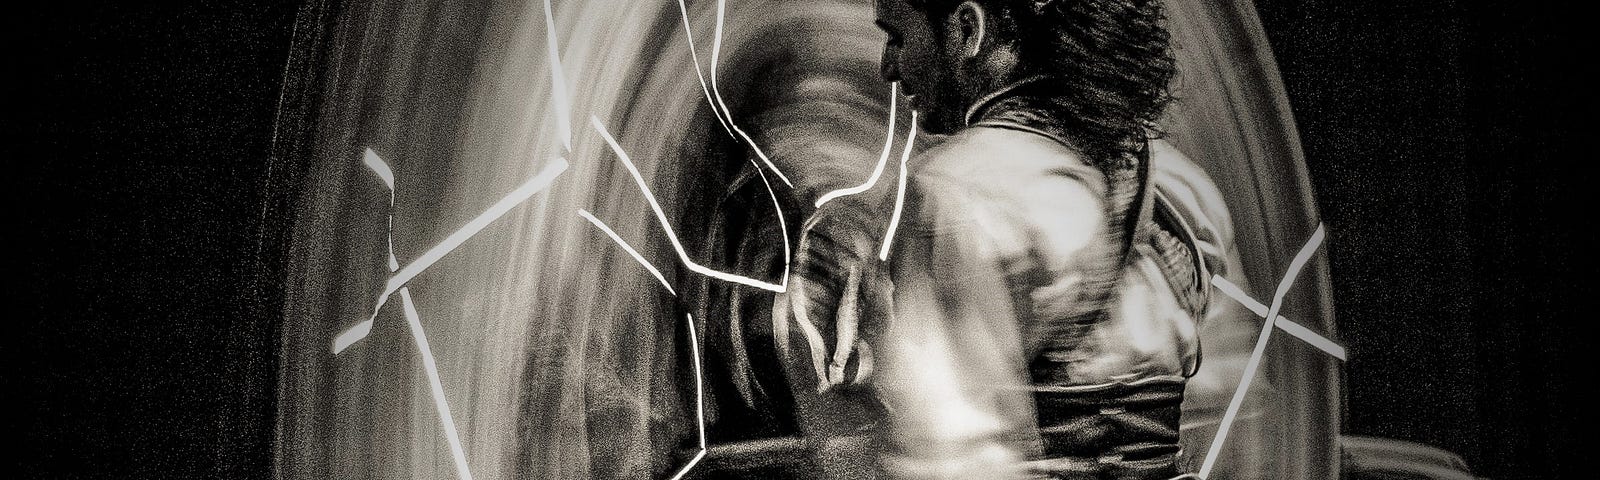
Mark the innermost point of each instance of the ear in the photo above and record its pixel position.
(971, 27)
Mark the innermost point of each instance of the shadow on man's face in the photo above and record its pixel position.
(914, 54)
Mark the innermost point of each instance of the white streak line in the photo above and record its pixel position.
(752, 143)
(1305, 334)
(558, 80)
(360, 330)
(516, 197)
(716, 51)
(900, 196)
(1261, 346)
(1288, 326)
(625, 247)
(431, 367)
(672, 236)
(783, 225)
(689, 465)
(378, 166)
(352, 335)
(414, 322)
(699, 400)
(699, 389)
(883, 159)
(684, 9)
(725, 117)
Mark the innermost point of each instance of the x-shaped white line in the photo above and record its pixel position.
(1270, 314)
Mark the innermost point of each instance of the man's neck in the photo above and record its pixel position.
(978, 108)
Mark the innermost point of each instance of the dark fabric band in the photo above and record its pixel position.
(1121, 432)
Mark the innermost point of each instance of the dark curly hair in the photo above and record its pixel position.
(1109, 63)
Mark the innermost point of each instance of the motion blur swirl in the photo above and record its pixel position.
(560, 356)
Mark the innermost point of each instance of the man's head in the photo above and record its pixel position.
(1109, 61)
(944, 53)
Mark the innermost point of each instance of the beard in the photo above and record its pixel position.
(950, 83)
(938, 104)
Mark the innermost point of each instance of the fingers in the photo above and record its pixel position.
(847, 321)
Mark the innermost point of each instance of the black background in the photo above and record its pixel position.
(1442, 136)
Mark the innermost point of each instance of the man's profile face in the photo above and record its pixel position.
(914, 55)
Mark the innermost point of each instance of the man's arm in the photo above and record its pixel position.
(953, 371)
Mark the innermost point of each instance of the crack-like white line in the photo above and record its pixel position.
(716, 52)
(1288, 326)
(725, 117)
(695, 57)
(900, 195)
(360, 330)
(430, 366)
(672, 236)
(699, 401)
(627, 248)
(351, 335)
(558, 80)
(534, 185)
(883, 158)
(435, 386)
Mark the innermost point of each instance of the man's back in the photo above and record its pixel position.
(996, 204)
(999, 340)
(1003, 230)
